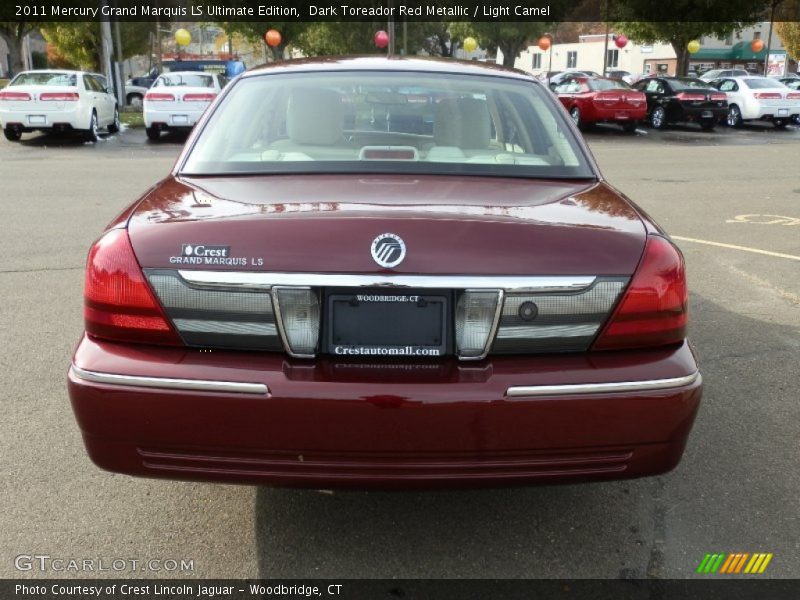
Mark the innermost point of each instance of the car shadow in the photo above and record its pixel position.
(55, 140)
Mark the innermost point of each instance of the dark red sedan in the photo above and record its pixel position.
(385, 273)
(591, 100)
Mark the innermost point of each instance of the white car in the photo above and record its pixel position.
(178, 99)
(759, 98)
(720, 73)
(57, 100)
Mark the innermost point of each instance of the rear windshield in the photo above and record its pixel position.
(607, 84)
(395, 122)
(184, 80)
(46, 78)
(760, 84)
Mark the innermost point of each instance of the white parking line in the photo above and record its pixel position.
(735, 247)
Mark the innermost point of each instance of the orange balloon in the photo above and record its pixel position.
(273, 37)
(757, 45)
(544, 43)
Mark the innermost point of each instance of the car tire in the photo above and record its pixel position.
(153, 133)
(629, 127)
(658, 117)
(135, 100)
(113, 127)
(734, 116)
(91, 134)
(575, 115)
(780, 123)
(12, 134)
(796, 119)
(708, 124)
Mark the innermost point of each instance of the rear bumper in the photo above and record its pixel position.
(622, 115)
(171, 119)
(364, 424)
(697, 113)
(769, 113)
(34, 120)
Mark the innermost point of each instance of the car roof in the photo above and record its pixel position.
(383, 63)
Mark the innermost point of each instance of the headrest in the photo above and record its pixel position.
(462, 122)
(315, 116)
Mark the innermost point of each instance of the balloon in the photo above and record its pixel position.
(757, 45)
(273, 37)
(470, 44)
(693, 46)
(621, 41)
(183, 37)
(544, 43)
(381, 39)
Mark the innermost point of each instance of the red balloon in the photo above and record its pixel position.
(273, 37)
(381, 39)
(757, 45)
(544, 43)
(621, 41)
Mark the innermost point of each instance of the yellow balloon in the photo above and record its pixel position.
(693, 46)
(183, 37)
(470, 44)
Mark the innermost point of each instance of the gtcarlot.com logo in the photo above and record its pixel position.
(734, 563)
(45, 563)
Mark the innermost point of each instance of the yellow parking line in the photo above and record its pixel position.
(735, 247)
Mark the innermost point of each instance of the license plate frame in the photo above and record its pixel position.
(180, 119)
(783, 112)
(388, 323)
(707, 114)
(37, 119)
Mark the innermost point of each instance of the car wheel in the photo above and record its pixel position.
(575, 113)
(152, 133)
(796, 119)
(113, 127)
(629, 127)
(91, 133)
(12, 134)
(734, 116)
(780, 123)
(658, 118)
(707, 124)
(135, 100)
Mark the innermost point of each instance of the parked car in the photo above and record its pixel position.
(563, 76)
(681, 100)
(618, 74)
(302, 304)
(714, 74)
(591, 100)
(793, 83)
(177, 100)
(758, 98)
(57, 101)
(135, 90)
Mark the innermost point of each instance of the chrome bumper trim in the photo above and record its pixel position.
(529, 391)
(198, 385)
(511, 284)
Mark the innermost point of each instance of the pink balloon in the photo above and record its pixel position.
(621, 41)
(381, 39)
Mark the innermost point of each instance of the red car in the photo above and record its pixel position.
(591, 100)
(316, 297)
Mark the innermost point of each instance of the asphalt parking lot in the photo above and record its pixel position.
(731, 198)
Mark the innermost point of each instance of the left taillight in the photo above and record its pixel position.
(15, 96)
(59, 97)
(654, 309)
(118, 302)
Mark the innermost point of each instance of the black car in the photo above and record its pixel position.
(681, 100)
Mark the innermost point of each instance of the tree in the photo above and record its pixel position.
(699, 19)
(510, 37)
(789, 32)
(13, 33)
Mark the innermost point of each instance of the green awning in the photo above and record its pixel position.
(739, 52)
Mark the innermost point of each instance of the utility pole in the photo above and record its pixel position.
(106, 47)
(769, 37)
(120, 70)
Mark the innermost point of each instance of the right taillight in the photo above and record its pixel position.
(653, 310)
(118, 302)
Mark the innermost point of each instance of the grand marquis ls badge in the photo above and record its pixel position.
(388, 250)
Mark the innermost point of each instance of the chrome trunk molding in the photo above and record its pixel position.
(195, 385)
(531, 391)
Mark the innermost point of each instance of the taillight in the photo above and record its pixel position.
(689, 97)
(719, 97)
(768, 96)
(59, 97)
(159, 97)
(199, 97)
(793, 96)
(653, 311)
(608, 98)
(15, 96)
(118, 302)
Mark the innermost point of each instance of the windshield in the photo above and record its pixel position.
(372, 121)
(760, 84)
(184, 80)
(46, 78)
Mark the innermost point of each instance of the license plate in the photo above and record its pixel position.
(623, 116)
(387, 324)
(180, 119)
(783, 111)
(37, 119)
(707, 114)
